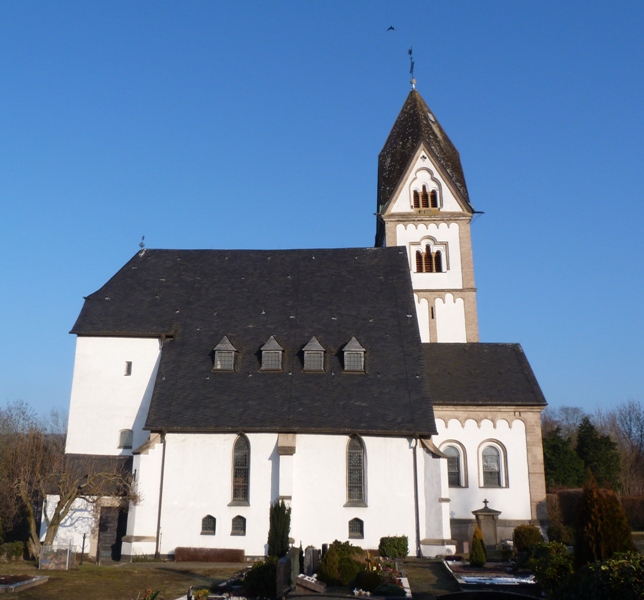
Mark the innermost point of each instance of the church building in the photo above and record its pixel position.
(349, 383)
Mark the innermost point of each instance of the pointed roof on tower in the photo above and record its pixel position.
(416, 125)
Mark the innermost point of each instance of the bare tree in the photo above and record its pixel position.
(566, 418)
(34, 469)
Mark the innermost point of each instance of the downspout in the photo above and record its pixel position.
(156, 550)
(417, 509)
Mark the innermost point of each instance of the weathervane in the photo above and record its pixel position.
(411, 69)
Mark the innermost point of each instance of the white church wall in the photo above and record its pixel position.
(104, 399)
(422, 315)
(513, 499)
(450, 319)
(198, 482)
(80, 520)
(447, 235)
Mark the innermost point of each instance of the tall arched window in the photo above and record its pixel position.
(454, 478)
(491, 467)
(241, 470)
(355, 471)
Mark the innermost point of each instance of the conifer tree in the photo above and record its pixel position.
(602, 527)
(599, 454)
(280, 527)
(478, 555)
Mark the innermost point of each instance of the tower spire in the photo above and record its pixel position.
(411, 69)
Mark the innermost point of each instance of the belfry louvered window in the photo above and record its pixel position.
(428, 261)
(424, 198)
(433, 199)
(416, 196)
(241, 470)
(355, 471)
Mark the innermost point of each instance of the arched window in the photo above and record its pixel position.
(208, 525)
(125, 439)
(356, 529)
(239, 526)
(438, 262)
(433, 199)
(454, 475)
(424, 198)
(355, 472)
(419, 262)
(416, 199)
(491, 462)
(241, 470)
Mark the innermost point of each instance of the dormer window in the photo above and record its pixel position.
(314, 356)
(224, 356)
(354, 356)
(272, 355)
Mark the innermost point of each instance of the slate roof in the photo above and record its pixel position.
(413, 127)
(481, 374)
(199, 296)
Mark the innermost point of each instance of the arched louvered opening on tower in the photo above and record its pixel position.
(416, 197)
(424, 198)
(428, 261)
(433, 199)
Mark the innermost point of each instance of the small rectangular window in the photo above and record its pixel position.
(224, 360)
(128, 368)
(125, 438)
(313, 361)
(271, 360)
(354, 361)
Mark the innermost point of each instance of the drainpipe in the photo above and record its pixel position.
(417, 511)
(156, 550)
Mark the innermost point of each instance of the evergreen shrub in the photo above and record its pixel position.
(552, 566)
(478, 555)
(340, 564)
(389, 589)
(569, 505)
(561, 533)
(261, 580)
(368, 580)
(279, 529)
(602, 528)
(525, 537)
(620, 577)
(396, 546)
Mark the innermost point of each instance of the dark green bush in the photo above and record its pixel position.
(552, 566)
(339, 565)
(634, 508)
(279, 529)
(620, 577)
(389, 589)
(562, 534)
(478, 555)
(261, 580)
(11, 551)
(602, 527)
(525, 537)
(396, 546)
(368, 580)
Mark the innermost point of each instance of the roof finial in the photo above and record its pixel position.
(411, 69)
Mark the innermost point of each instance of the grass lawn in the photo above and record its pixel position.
(122, 582)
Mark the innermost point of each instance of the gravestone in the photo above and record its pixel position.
(311, 560)
(486, 519)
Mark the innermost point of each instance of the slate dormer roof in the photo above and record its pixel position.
(478, 374)
(196, 297)
(416, 125)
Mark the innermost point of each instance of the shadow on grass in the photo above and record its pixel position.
(428, 578)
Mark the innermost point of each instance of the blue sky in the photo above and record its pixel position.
(258, 125)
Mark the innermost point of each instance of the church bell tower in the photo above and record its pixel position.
(424, 206)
